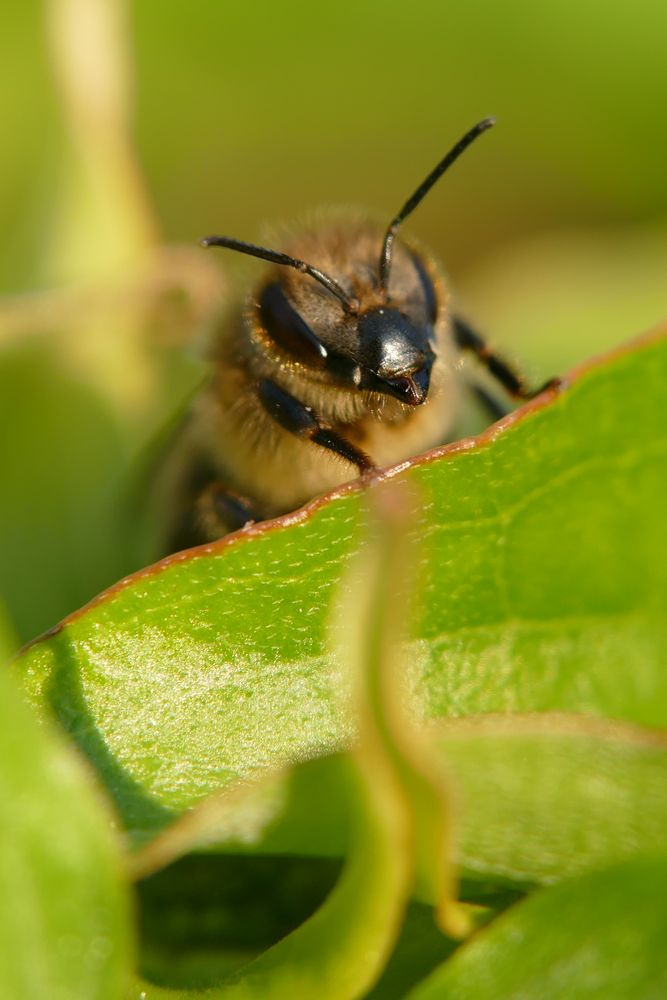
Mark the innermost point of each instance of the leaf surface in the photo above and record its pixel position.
(540, 587)
(340, 951)
(539, 798)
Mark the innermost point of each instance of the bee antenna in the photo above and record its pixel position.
(422, 191)
(282, 258)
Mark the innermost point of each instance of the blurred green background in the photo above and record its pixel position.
(131, 130)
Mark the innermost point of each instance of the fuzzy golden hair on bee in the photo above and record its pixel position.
(343, 358)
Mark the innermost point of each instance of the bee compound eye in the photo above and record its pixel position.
(427, 288)
(288, 329)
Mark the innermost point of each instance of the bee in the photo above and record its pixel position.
(330, 370)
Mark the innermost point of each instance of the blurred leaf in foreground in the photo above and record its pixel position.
(598, 936)
(65, 915)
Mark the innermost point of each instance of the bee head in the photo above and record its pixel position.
(375, 343)
(382, 342)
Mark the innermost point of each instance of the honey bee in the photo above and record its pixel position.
(330, 370)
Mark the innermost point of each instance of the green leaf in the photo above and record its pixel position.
(541, 587)
(601, 935)
(64, 907)
(544, 797)
(341, 950)
(540, 797)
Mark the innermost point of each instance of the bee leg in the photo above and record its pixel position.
(300, 420)
(469, 340)
(494, 409)
(219, 510)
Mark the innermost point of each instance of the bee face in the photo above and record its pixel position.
(335, 367)
(382, 343)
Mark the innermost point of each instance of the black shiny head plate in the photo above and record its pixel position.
(395, 355)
